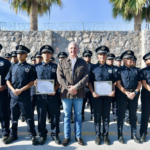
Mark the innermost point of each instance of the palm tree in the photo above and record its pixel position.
(33, 8)
(130, 9)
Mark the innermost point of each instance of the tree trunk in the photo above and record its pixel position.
(34, 16)
(137, 22)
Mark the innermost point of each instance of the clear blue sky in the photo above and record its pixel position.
(72, 11)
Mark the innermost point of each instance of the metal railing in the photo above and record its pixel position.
(73, 26)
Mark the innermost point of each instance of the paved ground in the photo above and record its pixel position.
(24, 142)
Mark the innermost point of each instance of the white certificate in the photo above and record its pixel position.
(45, 87)
(103, 88)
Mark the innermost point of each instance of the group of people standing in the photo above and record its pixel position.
(74, 80)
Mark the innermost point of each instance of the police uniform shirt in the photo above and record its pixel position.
(100, 72)
(4, 68)
(46, 71)
(145, 75)
(33, 88)
(21, 74)
(129, 77)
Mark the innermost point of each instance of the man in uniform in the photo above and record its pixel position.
(20, 78)
(4, 115)
(38, 57)
(145, 97)
(8, 56)
(110, 62)
(127, 120)
(118, 61)
(87, 57)
(52, 60)
(129, 84)
(101, 104)
(33, 60)
(14, 58)
(47, 71)
(33, 88)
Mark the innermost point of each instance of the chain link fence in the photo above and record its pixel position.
(73, 26)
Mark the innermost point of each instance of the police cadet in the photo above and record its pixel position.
(110, 62)
(33, 88)
(118, 61)
(87, 57)
(38, 57)
(33, 60)
(52, 60)
(20, 78)
(127, 120)
(47, 71)
(14, 58)
(8, 56)
(145, 97)
(61, 56)
(129, 84)
(4, 115)
(101, 104)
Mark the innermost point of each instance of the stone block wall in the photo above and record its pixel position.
(117, 41)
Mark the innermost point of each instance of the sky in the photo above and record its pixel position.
(72, 11)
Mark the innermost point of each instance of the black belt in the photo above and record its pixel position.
(130, 90)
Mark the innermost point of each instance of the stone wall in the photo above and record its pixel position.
(117, 41)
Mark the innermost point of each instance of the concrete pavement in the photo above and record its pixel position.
(88, 134)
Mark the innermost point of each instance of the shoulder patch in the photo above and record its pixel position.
(109, 71)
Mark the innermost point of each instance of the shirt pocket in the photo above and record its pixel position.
(66, 70)
(39, 75)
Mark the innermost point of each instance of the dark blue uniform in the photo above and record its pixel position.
(33, 96)
(20, 75)
(46, 72)
(4, 115)
(127, 111)
(129, 78)
(145, 101)
(88, 96)
(101, 105)
(114, 99)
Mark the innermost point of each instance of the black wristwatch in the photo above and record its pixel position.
(135, 92)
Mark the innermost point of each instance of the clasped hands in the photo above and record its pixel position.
(130, 95)
(72, 90)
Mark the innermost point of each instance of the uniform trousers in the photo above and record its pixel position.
(4, 115)
(52, 104)
(101, 108)
(123, 101)
(22, 103)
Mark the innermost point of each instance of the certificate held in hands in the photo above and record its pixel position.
(103, 88)
(45, 86)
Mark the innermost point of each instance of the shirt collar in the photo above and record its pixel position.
(101, 65)
(73, 59)
(127, 67)
(44, 64)
(22, 63)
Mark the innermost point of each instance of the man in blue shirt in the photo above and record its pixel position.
(129, 84)
(145, 97)
(101, 104)
(20, 78)
(4, 115)
(87, 57)
(47, 71)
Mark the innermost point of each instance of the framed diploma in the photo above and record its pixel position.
(45, 86)
(103, 88)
